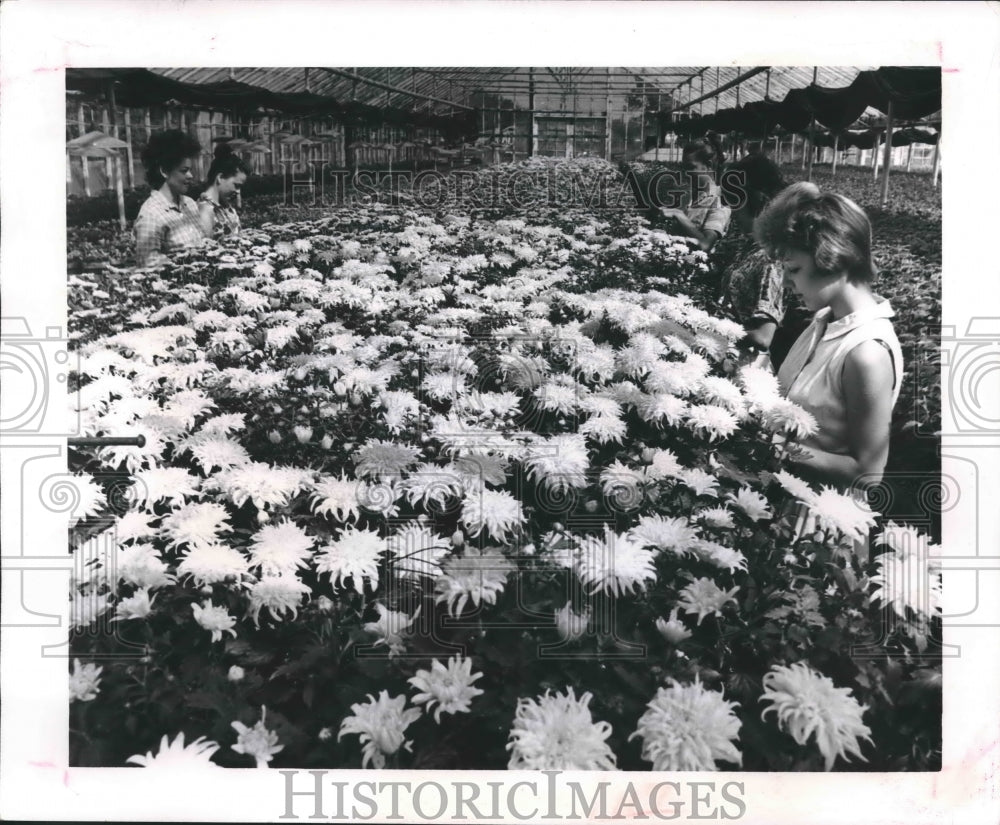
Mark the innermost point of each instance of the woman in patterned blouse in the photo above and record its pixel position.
(168, 220)
(226, 177)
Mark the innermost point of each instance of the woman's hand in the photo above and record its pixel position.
(671, 213)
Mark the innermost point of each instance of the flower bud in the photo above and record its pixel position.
(458, 538)
(303, 434)
(325, 734)
(236, 673)
(591, 505)
(324, 604)
(340, 388)
(674, 631)
(263, 517)
(274, 437)
(571, 625)
(326, 442)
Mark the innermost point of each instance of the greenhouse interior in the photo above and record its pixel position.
(506, 418)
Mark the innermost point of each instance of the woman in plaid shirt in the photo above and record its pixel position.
(169, 219)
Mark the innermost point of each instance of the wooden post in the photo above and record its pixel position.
(118, 190)
(887, 158)
(717, 96)
(937, 161)
(129, 153)
(607, 117)
(875, 148)
(106, 128)
(812, 133)
(532, 126)
(642, 120)
(836, 143)
(909, 157)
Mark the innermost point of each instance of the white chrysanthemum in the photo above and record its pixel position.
(337, 498)
(559, 462)
(661, 408)
(380, 725)
(141, 566)
(279, 594)
(795, 487)
(663, 464)
(90, 496)
(689, 728)
(354, 555)
(672, 534)
(433, 484)
(86, 608)
(171, 484)
(723, 392)
(760, 385)
(711, 421)
(264, 484)
(779, 415)
(559, 396)
(808, 703)
(615, 563)
(390, 627)
(604, 428)
(381, 497)
(641, 354)
(725, 558)
(704, 597)
(718, 518)
(752, 503)
(216, 620)
(257, 742)
(196, 524)
(673, 629)
(558, 732)
(133, 525)
(399, 408)
(280, 548)
(380, 458)
(595, 363)
(450, 688)
(84, 682)
(702, 482)
(137, 606)
(478, 576)
(417, 552)
(908, 577)
(671, 378)
(495, 511)
(223, 425)
(217, 452)
(210, 564)
(175, 756)
(842, 512)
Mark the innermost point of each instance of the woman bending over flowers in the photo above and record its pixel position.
(846, 367)
(705, 218)
(226, 177)
(168, 220)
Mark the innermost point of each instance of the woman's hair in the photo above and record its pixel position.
(226, 163)
(167, 150)
(830, 227)
(706, 150)
(752, 182)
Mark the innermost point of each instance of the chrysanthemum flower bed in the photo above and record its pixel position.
(425, 491)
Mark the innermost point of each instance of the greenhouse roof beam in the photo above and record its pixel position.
(388, 87)
(725, 86)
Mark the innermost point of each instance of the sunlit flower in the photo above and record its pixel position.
(280, 594)
(212, 564)
(431, 483)
(280, 548)
(171, 484)
(89, 496)
(662, 407)
(718, 518)
(752, 503)
(495, 511)
(779, 415)
(217, 452)
(478, 576)
(390, 627)
(141, 566)
(807, 703)
(86, 608)
(704, 597)
(759, 384)
(265, 485)
(672, 534)
(336, 497)
(175, 756)
(559, 396)
(379, 458)
(195, 524)
(908, 578)
(137, 606)
(558, 732)
(604, 428)
(711, 421)
(725, 558)
(417, 552)
(616, 563)
(450, 688)
(689, 728)
(663, 464)
(673, 629)
(795, 487)
(380, 725)
(703, 483)
(214, 619)
(559, 462)
(354, 555)
(621, 485)
(235, 674)
(842, 512)
(84, 682)
(723, 392)
(258, 741)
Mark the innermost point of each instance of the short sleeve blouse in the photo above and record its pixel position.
(227, 220)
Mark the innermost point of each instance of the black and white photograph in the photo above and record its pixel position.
(602, 426)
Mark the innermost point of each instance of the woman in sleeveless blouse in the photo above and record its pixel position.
(216, 206)
(846, 368)
(705, 217)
